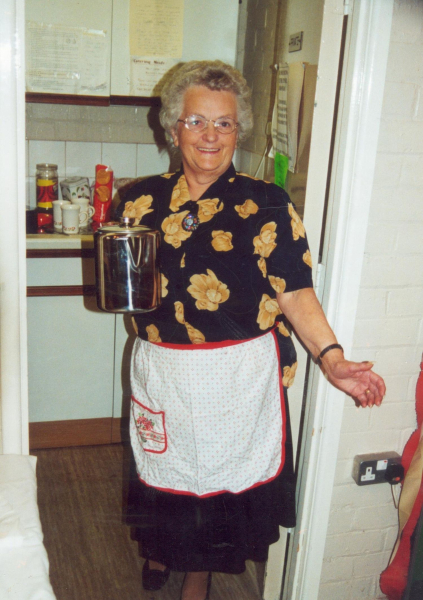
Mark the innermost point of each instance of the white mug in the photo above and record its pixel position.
(57, 214)
(86, 211)
(70, 218)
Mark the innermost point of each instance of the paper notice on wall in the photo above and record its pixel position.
(94, 51)
(156, 28)
(279, 120)
(147, 74)
(66, 60)
(285, 123)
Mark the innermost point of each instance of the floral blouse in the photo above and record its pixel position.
(220, 278)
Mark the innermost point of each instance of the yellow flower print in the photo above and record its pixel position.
(289, 375)
(262, 266)
(195, 335)
(167, 175)
(248, 208)
(222, 240)
(180, 194)
(208, 291)
(277, 284)
(153, 333)
(183, 261)
(268, 311)
(136, 210)
(179, 312)
(282, 329)
(208, 208)
(165, 281)
(172, 226)
(264, 244)
(307, 258)
(296, 223)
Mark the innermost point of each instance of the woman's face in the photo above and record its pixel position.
(206, 155)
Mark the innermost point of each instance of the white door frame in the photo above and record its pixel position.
(13, 341)
(349, 203)
(350, 199)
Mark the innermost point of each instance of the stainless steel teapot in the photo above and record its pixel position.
(126, 268)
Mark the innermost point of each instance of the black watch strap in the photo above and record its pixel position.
(323, 352)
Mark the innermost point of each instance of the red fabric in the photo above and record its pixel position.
(393, 580)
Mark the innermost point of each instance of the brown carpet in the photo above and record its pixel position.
(81, 492)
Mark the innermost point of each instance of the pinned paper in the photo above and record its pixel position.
(66, 60)
(156, 28)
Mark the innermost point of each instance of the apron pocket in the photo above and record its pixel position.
(150, 427)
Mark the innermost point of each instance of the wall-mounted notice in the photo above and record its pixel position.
(286, 113)
(147, 72)
(66, 60)
(279, 119)
(156, 28)
(156, 32)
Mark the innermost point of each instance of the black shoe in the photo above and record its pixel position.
(153, 579)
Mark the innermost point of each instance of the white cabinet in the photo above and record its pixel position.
(78, 356)
(83, 48)
(70, 358)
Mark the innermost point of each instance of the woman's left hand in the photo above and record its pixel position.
(357, 380)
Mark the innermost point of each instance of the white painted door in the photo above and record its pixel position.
(328, 67)
(349, 194)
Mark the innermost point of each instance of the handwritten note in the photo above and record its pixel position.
(156, 28)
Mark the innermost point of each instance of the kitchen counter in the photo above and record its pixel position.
(59, 241)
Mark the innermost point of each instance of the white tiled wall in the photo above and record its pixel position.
(80, 158)
(389, 326)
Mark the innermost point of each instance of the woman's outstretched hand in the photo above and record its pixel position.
(357, 380)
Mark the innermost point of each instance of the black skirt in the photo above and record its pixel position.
(218, 533)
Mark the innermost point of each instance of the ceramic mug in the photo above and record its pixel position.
(57, 214)
(86, 211)
(75, 187)
(70, 218)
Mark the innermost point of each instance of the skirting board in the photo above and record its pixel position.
(78, 432)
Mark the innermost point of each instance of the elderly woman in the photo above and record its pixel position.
(210, 427)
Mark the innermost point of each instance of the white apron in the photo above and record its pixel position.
(207, 419)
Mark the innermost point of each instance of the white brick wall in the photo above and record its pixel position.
(389, 327)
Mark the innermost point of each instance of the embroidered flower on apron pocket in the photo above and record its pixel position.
(150, 427)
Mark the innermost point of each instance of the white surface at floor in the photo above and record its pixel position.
(23, 558)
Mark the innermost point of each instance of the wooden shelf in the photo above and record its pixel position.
(92, 100)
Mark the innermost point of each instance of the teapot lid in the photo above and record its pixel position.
(124, 225)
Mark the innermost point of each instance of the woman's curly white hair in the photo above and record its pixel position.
(214, 75)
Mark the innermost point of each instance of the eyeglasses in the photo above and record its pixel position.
(197, 123)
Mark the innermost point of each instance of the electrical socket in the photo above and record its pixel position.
(377, 468)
